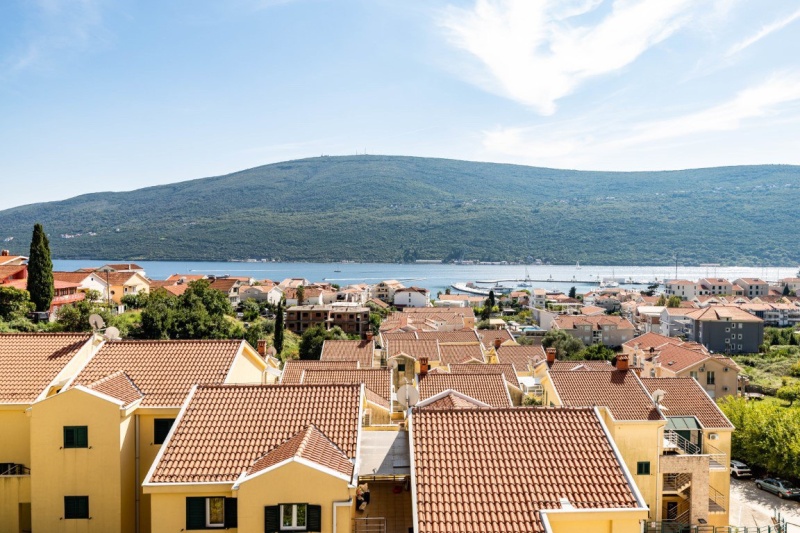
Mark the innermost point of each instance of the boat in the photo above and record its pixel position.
(577, 265)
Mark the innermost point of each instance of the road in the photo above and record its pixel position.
(750, 506)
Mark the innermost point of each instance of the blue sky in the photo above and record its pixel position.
(98, 95)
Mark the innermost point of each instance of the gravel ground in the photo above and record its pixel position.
(750, 506)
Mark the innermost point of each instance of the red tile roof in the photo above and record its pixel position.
(377, 380)
(460, 353)
(31, 361)
(496, 469)
(651, 340)
(521, 356)
(163, 370)
(506, 370)
(340, 350)
(574, 366)
(488, 336)
(293, 369)
(309, 444)
(596, 321)
(490, 389)
(685, 397)
(225, 429)
(120, 386)
(621, 392)
(415, 348)
(452, 400)
(448, 336)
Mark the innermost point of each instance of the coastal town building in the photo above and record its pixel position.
(353, 319)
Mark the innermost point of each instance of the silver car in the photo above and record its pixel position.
(780, 487)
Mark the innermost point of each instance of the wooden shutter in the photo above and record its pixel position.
(195, 513)
(272, 519)
(314, 518)
(82, 437)
(231, 512)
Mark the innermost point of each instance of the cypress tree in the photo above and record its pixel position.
(40, 270)
(277, 339)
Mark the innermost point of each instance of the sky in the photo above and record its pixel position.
(100, 95)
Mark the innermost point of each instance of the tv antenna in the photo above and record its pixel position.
(97, 322)
(111, 334)
(407, 396)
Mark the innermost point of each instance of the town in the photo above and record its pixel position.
(400, 410)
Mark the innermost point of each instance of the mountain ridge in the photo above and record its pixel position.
(393, 208)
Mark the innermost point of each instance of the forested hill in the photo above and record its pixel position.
(386, 209)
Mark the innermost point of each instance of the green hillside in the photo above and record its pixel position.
(382, 208)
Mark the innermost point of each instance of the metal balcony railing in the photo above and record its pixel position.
(9, 469)
(369, 525)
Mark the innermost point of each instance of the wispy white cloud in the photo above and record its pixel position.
(567, 141)
(55, 25)
(763, 32)
(538, 52)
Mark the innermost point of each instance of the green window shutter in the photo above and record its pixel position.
(161, 427)
(272, 519)
(76, 507)
(643, 468)
(82, 437)
(314, 518)
(69, 437)
(195, 513)
(76, 437)
(231, 512)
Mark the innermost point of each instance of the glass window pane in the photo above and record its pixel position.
(301, 515)
(286, 515)
(216, 511)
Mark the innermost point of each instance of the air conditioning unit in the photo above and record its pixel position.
(724, 388)
(725, 369)
(713, 436)
(702, 369)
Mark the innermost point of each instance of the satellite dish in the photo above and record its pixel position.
(111, 334)
(392, 364)
(96, 321)
(658, 395)
(407, 396)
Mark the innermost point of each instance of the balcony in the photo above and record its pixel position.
(675, 443)
(13, 469)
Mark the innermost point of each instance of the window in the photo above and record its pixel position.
(215, 512)
(710, 378)
(292, 517)
(693, 375)
(76, 507)
(401, 367)
(643, 468)
(76, 437)
(161, 427)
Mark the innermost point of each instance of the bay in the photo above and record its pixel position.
(438, 277)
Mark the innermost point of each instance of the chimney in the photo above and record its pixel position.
(622, 363)
(370, 335)
(551, 356)
(262, 347)
(423, 366)
(4, 253)
(497, 342)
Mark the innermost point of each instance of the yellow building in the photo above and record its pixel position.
(669, 432)
(516, 469)
(33, 367)
(286, 461)
(93, 443)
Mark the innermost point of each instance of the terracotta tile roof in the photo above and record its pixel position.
(495, 469)
(209, 444)
(398, 336)
(592, 310)
(448, 336)
(186, 277)
(488, 336)
(651, 340)
(124, 266)
(521, 356)
(460, 353)
(30, 361)
(310, 444)
(415, 348)
(378, 303)
(176, 290)
(452, 400)
(293, 369)
(506, 370)
(336, 350)
(719, 313)
(676, 358)
(377, 380)
(76, 277)
(224, 284)
(117, 278)
(685, 397)
(621, 392)
(487, 388)
(5, 259)
(164, 370)
(118, 385)
(6, 271)
(574, 366)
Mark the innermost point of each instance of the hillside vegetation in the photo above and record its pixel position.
(386, 209)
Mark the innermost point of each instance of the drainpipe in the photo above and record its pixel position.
(336, 505)
(137, 526)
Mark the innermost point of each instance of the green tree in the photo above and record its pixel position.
(259, 329)
(313, 338)
(674, 301)
(250, 309)
(159, 315)
(662, 300)
(301, 295)
(565, 344)
(572, 292)
(596, 352)
(75, 316)
(40, 271)
(491, 300)
(277, 340)
(486, 311)
(786, 290)
(14, 304)
(789, 393)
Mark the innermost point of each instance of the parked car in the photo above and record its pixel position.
(782, 488)
(739, 469)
